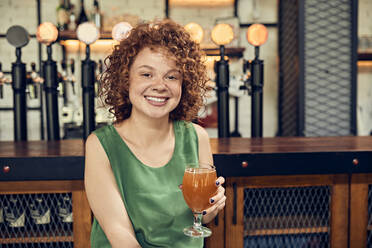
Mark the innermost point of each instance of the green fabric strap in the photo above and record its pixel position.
(152, 198)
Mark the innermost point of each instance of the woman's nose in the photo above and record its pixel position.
(159, 84)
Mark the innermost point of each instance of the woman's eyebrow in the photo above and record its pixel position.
(145, 66)
(174, 70)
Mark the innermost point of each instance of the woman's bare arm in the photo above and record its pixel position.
(104, 197)
(217, 202)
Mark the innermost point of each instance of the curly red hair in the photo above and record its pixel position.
(164, 34)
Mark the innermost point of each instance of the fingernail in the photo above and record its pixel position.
(204, 212)
(212, 200)
(217, 183)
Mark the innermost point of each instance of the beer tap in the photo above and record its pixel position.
(71, 76)
(88, 33)
(253, 77)
(18, 37)
(33, 80)
(222, 34)
(2, 81)
(62, 82)
(47, 34)
(100, 71)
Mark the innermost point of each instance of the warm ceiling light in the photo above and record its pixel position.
(104, 46)
(196, 31)
(47, 33)
(87, 32)
(121, 31)
(257, 34)
(222, 34)
(205, 3)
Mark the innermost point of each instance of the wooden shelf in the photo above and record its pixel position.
(229, 51)
(33, 236)
(51, 239)
(259, 226)
(365, 56)
(71, 35)
(286, 231)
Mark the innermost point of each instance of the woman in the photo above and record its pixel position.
(154, 83)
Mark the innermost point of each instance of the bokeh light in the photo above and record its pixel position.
(222, 34)
(257, 34)
(196, 31)
(47, 33)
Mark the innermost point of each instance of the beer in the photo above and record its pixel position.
(198, 186)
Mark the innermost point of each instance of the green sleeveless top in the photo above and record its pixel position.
(152, 198)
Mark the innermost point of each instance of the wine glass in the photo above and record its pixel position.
(198, 186)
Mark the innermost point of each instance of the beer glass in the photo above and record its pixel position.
(198, 186)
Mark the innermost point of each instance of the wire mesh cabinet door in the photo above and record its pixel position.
(44, 214)
(217, 240)
(361, 211)
(287, 211)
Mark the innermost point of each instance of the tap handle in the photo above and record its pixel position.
(72, 64)
(33, 66)
(63, 64)
(100, 66)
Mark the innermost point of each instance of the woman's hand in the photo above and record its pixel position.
(217, 202)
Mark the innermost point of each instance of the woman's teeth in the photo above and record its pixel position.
(155, 99)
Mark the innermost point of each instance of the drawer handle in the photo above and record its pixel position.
(6, 168)
(244, 164)
(355, 161)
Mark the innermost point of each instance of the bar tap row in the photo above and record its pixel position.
(49, 84)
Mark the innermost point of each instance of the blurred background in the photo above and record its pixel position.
(277, 109)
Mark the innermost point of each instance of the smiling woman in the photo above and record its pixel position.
(154, 85)
(171, 39)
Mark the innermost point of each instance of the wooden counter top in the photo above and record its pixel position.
(291, 145)
(75, 148)
(233, 157)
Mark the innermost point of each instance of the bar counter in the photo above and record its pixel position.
(234, 157)
(338, 167)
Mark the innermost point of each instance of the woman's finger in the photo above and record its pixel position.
(220, 181)
(218, 196)
(218, 206)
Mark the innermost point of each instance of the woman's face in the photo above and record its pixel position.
(155, 83)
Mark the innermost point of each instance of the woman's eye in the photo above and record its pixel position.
(147, 75)
(172, 77)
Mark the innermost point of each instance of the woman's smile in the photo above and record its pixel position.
(157, 101)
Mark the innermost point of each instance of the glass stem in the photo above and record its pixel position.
(197, 220)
